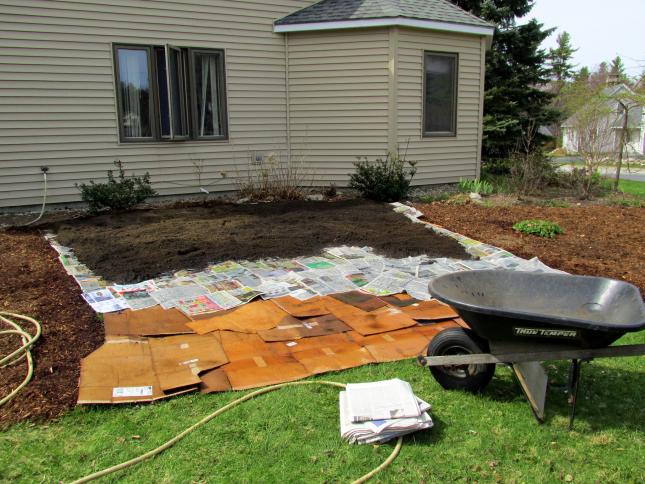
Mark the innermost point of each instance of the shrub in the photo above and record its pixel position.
(119, 193)
(482, 187)
(385, 180)
(275, 177)
(541, 228)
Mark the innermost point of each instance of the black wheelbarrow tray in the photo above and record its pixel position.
(523, 318)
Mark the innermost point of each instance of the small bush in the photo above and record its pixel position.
(330, 191)
(275, 177)
(384, 180)
(482, 187)
(541, 228)
(555, 203)
(118, 193)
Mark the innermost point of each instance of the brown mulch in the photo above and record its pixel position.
(33, 283)
(142, 244)
(598, 240)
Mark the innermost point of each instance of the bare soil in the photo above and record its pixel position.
(598, 240)
(138, 245)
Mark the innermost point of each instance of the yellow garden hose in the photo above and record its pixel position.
(24, 351)
(223, 409)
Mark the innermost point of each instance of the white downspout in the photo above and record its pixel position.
(287, 98)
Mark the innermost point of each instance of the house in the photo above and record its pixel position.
(612, 125)
(187, 89)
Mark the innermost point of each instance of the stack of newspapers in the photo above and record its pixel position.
(373, 413)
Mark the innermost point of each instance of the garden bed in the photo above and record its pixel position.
(598, 240)
(142, 244)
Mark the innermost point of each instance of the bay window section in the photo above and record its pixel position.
(440, 94)
(167, 93)
(134, 92)
(208, 88)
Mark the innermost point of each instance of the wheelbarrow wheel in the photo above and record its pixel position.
(458, 341)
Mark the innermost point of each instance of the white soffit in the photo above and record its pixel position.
(385, 22)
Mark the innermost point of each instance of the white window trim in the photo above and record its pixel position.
(386, 22)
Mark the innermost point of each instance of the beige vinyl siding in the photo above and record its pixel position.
(440, 159)
(338, 92)
(57, 94)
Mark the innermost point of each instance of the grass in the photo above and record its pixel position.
(632, 187)
(292, 435)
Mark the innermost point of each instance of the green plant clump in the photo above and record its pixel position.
(541, 228)
(384, 180)
(481, 187)
(119, 193)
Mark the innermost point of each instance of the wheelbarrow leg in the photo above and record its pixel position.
(574, 380)
(533, 381)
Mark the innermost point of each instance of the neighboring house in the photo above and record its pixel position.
(187, 89)
(634, 138)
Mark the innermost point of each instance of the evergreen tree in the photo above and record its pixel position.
(599, 78)
(560, 58)
(582, 75)
(515, 68)
(617, 69)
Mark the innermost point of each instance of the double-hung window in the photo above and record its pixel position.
(167, 93)
(440, 94)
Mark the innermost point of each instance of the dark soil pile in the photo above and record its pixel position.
(598, 240)
(134, 246)
(33, 283)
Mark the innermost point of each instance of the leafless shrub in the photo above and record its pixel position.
(275, 177)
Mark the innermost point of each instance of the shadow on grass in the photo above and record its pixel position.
(607, 397)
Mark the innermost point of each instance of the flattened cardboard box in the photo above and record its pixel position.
(333, 358)
(249, 318)
(386, 318)
(121, 371)
(396, 345)
(302, 309)
(429, 311)
(261, 371)
(152, 321)
(178, 360)
(310, 327)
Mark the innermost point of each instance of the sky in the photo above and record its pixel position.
(600, 29)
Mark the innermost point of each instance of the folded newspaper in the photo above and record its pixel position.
(373, 413)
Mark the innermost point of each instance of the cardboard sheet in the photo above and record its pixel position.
(396, 345)
(249, 318)
(317, 342)
(121, 371)
(400, 300)
(302, 309)
(431, 330)
(178, 360)
(241, 346)
(310, 327)
(379, 320)
(214, 381)
(360, 300)
(154, 321)
(429, 311)
(261, 371)
(333, 358)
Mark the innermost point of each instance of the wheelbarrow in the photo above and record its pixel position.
(524, 318)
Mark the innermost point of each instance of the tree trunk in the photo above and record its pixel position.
(621, 147)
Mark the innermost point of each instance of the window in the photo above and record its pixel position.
(440, 94)
(167, 93)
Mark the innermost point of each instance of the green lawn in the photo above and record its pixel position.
(632, 187)
(292, 435)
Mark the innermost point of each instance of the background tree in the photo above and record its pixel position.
(617, 69)
(560, 58)
(600, 76)
(515, 69)
(582, 75)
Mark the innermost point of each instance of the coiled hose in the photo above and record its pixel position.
(24, 351)
(220, 411)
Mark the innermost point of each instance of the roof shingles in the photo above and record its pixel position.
(343, 10)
